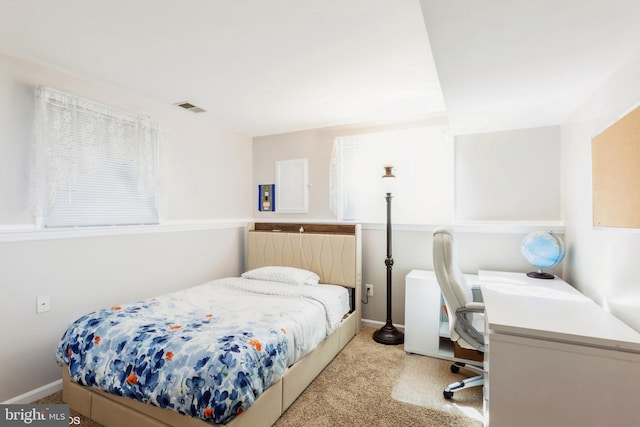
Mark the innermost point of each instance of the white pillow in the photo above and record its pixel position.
(295, 276)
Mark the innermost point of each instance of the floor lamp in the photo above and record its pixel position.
(388, 334)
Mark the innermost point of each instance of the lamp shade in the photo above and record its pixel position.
(388, 180)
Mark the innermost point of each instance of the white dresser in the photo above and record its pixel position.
(555, 357)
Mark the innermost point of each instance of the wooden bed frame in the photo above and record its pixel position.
(333, 251)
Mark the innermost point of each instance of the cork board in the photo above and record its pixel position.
(615, 160)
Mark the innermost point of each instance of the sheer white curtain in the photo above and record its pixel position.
(423, 165)
(92, 164)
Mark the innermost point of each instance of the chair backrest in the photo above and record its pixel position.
(452, 283)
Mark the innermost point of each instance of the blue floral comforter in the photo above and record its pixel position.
(207, 352)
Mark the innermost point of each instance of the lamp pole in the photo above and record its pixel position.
(388, 334)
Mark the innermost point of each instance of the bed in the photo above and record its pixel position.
(287, 364)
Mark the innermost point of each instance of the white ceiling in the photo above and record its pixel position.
(508, 64)
(262, 67)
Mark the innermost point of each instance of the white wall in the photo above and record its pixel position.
(86, 274)
(207, 181)
(316, 146)
(200, 157)
(602, 263)
(481, 246)
(508, 176)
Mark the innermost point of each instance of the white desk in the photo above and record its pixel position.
(426, 329)
(556, 358)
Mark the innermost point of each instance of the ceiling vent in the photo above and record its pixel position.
(189, 106)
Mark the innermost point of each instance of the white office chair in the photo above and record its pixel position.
(466, 318)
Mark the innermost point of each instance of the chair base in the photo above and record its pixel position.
(467, 383)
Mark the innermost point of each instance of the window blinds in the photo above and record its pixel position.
(93, 165)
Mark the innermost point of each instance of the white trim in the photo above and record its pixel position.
(25, 232)
(603, 229)
(29, 232)
(488, 227)
(509, 227)
(35, 394)
(368, 323)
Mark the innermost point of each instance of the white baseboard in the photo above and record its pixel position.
(36, 394)
(367, 323)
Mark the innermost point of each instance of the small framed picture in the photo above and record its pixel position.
(266, 198)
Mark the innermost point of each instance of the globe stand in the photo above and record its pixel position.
(540, 275)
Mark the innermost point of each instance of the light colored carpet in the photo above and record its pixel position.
(56, 398)
(370, 384)
(422, 381)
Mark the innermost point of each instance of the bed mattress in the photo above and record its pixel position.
(207, 351)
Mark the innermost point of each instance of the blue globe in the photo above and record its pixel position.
(543, 250)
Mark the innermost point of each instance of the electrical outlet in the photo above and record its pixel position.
(369, 289)
(43, 303)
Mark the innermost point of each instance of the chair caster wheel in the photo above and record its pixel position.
(447, 394)
(455, 369)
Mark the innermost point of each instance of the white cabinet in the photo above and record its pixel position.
(555, 357)
(426, 326)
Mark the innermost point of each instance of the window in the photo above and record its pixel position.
(423, 166)
(93, 165)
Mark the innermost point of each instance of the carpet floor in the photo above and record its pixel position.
(370, 384)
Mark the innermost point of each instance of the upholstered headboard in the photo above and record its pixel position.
(332, 251)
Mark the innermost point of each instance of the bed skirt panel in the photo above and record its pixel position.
(348, 329)
(110, 410)
(300, 375)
